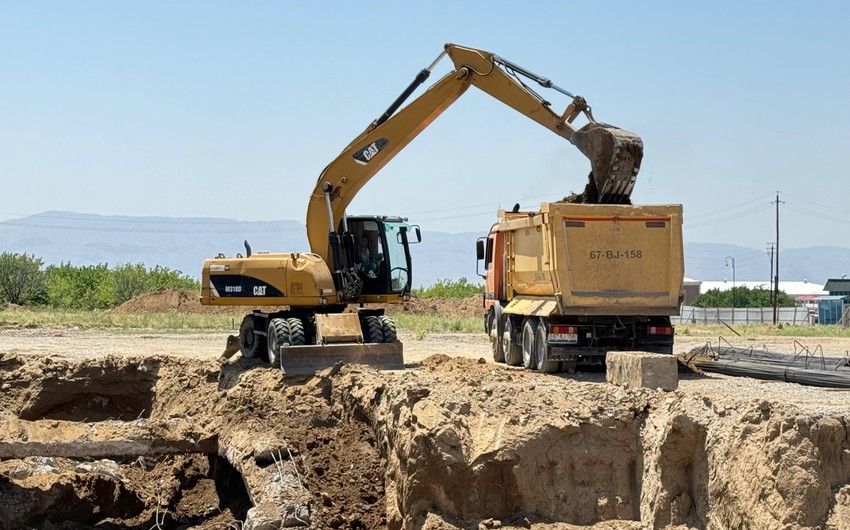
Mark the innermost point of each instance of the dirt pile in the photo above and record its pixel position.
(469, 307)
(163, 300)
(451, 443)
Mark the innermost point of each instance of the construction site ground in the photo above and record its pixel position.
(145, 429)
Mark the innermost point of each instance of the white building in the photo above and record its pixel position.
(795, 289)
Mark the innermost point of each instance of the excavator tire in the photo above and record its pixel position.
(296, 332)
(388, 328)
(372, 332)
(278, 335)
(615, 155)
(250, 344)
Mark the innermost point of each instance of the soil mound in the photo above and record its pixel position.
(470, 306)
(163, 300)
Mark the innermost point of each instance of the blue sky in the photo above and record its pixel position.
(218, 109)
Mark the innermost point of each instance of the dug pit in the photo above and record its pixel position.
(163, 442)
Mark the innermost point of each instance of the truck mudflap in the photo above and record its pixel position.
(308, 359)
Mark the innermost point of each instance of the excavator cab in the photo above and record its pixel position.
(382, 253)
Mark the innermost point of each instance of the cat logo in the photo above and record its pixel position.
(364, 155)
(259, 290)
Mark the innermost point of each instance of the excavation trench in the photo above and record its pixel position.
(131, 442)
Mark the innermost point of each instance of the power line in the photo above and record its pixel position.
(728, 218)
(819, 215)
(715, 212)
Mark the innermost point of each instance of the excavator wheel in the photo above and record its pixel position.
(250, 344)
(278, 335)
(372, 332)
(388, 328)
(297, 337)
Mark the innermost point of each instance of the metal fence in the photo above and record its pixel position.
(742, 315)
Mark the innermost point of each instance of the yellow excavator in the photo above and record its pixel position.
(309, 308)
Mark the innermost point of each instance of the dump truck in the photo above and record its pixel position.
(568, 283)
(312, 309)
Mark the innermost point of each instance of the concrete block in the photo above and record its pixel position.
(637, 369)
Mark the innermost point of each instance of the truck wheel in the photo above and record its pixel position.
(513, 351)
(371, 329)
(494, 316)
(277, 336)
(541, 348)
(529, 336)
(250, 344)
(388, 328)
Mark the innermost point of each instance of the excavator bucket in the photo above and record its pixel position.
(306, 360)
(615, 155)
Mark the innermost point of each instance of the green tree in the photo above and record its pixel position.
(130, 281)
(21, 278)
(741, 296)
(86, 287)
(164, 277)
(446, 288)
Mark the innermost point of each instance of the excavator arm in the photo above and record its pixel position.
(615, 154)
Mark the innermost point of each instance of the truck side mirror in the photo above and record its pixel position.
(479, 249)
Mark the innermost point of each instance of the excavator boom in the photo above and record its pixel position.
(615, 154)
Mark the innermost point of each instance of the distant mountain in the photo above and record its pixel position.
(708, 261)
(184, 243)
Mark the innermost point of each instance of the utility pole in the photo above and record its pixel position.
(770, 253)
(776, 278)
(733, 284)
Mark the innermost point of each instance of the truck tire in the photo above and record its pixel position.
(277, 336)
(541, 348)
(529, 339)
(494, 316)
(513, 351)
(250, 344)
(388, 328)
(372, 329)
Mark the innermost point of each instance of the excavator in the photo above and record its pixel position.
(309, 308)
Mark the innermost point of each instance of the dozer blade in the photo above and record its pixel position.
(615, 155)
(305, 360)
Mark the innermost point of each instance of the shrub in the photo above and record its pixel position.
(21, 278)
(446, 288)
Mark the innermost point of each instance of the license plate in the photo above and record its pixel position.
(565, 338)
